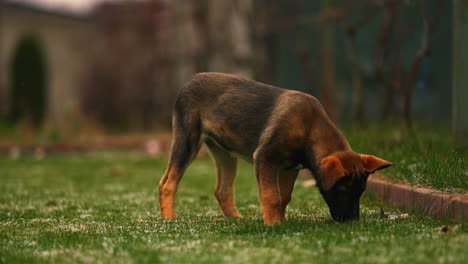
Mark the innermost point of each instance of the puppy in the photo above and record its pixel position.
(278, 130)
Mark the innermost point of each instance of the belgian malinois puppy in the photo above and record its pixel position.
(278, 130)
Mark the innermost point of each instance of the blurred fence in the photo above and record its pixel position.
(122, 65)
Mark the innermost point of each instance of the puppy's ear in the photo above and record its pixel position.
(373, 164)
(332, 170)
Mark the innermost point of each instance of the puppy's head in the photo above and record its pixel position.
(343, 180)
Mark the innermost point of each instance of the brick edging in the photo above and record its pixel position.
(421, 199)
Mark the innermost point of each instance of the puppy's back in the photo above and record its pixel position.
(231, 109)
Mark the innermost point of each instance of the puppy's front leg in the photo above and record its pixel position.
(270, 192)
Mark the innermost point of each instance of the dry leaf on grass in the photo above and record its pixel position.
(445, 229)
(51, 203)
(385, 215)
(118, 171)
(398, 216)
(309, 183)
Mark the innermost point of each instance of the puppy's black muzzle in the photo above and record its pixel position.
(346, 212)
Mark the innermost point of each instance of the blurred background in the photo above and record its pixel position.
(68, 66)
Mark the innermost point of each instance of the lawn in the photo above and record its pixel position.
(102, 208)
(425, 157)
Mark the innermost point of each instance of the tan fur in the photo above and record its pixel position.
(372, 163)
(332, 171)
(340, 164)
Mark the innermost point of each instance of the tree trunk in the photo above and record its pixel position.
(183, 46)
(3, 101)
(460, 77)
(327, 49)
(423, 51)
(230, 37)
(383, 49)
(356, 76)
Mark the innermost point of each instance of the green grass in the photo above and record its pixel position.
(102, 208)
(426, 157)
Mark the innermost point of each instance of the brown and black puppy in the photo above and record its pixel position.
(278, 130)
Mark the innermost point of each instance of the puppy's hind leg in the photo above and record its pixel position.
(226, 167)
(185, 146)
